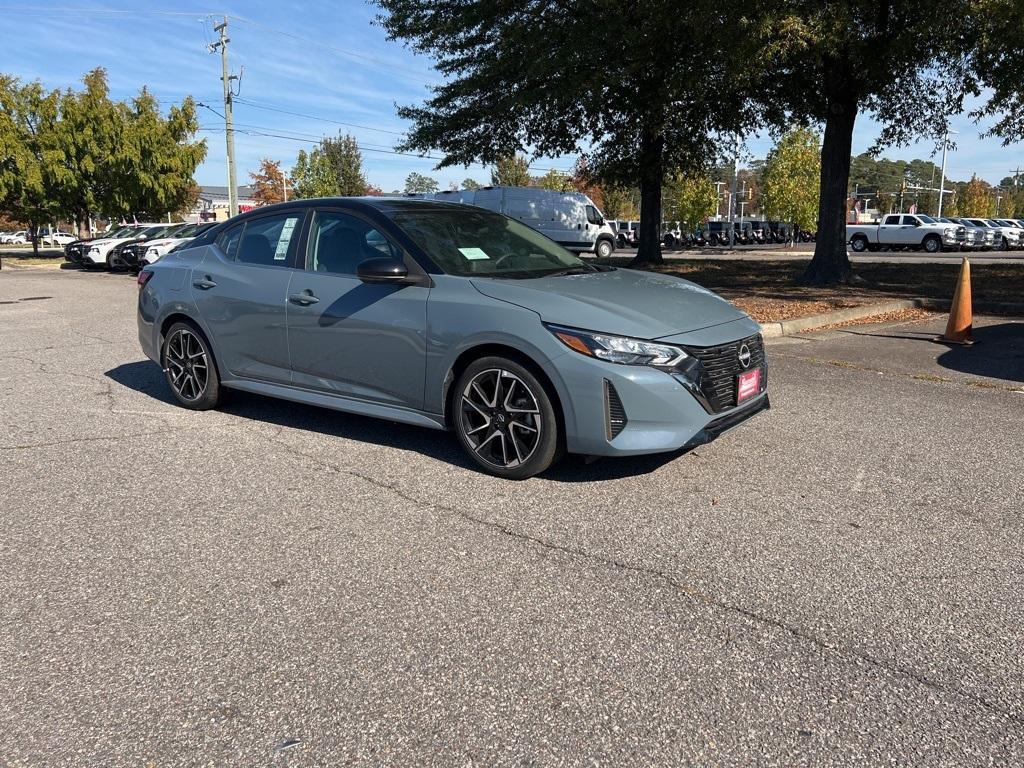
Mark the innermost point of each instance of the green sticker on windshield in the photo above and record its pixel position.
(473, 253)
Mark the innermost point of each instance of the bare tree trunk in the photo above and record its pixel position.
(831, 262)
(651, 177)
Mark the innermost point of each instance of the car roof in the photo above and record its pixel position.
(384, 204)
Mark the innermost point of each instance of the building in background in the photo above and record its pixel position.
(212, 204)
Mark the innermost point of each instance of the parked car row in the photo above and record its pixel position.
(675, 234)
(132, 247)
(45, 237)
(904, 231)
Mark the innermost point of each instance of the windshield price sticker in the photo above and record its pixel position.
(473, 253)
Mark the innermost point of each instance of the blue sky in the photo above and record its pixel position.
(321, 59)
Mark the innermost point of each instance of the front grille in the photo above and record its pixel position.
(720, 367)
(614, 412)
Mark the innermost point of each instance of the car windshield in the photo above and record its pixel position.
(189, 230)
(478, 243)
(926, 219)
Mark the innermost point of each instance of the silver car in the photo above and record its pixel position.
(448, 316)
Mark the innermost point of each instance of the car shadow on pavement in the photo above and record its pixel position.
(145, 377)
(997, 353)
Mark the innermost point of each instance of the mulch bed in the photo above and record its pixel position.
(769, 292)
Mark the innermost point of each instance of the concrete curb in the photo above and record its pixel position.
(788, 327)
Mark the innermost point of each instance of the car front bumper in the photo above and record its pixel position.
(662, 411)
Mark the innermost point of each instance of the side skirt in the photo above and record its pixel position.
(339, 403)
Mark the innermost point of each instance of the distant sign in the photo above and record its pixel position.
(866, 191)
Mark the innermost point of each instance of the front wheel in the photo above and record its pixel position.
(604, 248)
(932, 244)
(190, 368)
(505, 419)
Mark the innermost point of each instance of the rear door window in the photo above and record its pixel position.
(270, 241)
(229, 239)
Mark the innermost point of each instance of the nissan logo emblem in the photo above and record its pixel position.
(744, 356)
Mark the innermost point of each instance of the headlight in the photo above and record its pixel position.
(618, 349)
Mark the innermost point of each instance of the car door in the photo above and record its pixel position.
(908, 231)
(347, 337)
(889, 230)
(240, 289)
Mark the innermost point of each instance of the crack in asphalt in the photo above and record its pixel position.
(693, 592)
(95, 438)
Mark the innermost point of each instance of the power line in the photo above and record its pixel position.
(257, 105)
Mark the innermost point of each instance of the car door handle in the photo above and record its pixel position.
(303, 299)
(205, 284)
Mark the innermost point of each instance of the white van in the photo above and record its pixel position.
(569, 218)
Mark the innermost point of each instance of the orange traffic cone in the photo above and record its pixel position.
(961, 318)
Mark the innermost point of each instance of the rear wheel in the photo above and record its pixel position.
(505, 419)
(859, 243)
(190, 368)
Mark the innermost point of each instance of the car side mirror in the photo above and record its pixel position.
(382, 269)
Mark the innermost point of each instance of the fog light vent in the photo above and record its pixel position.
(614, 414)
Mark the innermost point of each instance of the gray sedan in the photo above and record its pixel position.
(448, 316)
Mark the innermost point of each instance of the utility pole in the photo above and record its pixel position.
(284, 183)
(229, 125)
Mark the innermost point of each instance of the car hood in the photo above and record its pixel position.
(110, 241)
(645, 305)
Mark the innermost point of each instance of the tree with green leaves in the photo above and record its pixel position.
(333, 168)
(789, 182)
(619, 203)
(418, 183)
(903, 62)
(690, 198)
(511, 171)
(91, 129)
(28, 135)
(76, 154)
(556, 181)
(155, 163)
(978, 200)
(525, 74)
(471, 184)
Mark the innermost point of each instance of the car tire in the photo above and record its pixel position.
(604, 249)
(505, 418)
(193, 386)
(859, 244)
(1005, 245)
(932, 244)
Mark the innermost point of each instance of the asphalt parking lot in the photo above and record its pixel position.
(837, 583)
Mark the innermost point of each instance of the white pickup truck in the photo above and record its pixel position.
(904, 230)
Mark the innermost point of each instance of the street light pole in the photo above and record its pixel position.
(732, 197)
(942, 173)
